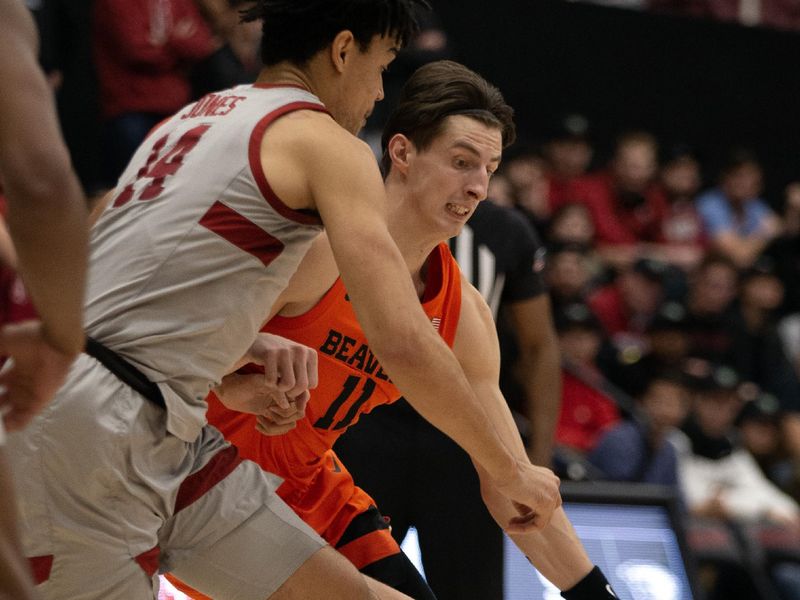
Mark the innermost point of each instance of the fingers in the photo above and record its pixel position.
(311, 369)
(295, 409)
(266, 426)
(280, 400)
(289, 367)
(271, 376)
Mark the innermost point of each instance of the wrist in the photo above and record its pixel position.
(594, 586)
(508, 471)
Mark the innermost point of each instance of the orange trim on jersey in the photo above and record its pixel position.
(370, 548)
(254, 155)
(186, 589)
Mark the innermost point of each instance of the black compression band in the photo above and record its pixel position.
(594, 586)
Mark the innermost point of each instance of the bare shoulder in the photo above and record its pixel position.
(475, 313)
(305, 154)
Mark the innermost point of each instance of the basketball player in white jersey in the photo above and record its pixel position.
(47, 222)
(207, 224)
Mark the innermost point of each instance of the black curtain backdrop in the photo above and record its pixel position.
(708, 84)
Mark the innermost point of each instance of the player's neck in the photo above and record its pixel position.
(286, 74)
(414, 245)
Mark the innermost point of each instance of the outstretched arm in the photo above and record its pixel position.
(556, 550)
(347, 190)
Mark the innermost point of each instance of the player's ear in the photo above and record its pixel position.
(400, 150)
(342, 45)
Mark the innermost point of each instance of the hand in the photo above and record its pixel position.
(289, 367)
(277, 420)
(32, 376)
(534, 492)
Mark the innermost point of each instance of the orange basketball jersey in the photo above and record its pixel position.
(352, 382)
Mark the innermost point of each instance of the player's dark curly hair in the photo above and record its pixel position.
(295, 30)
(441, 89)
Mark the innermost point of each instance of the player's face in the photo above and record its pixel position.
(363, 82)
(451, 176)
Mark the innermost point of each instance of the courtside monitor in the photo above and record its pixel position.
(633, 532)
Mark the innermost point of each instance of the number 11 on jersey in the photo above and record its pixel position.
(350, 385)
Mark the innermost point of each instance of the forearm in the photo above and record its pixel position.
(414, 355)
(50, 237)
(555, 551)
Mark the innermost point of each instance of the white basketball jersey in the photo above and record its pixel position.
(190, 255)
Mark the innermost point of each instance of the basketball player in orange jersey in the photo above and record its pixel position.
(209, 220)
(47, 222)
(442, 143)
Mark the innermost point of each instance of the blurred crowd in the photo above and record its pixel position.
(677, 305)
(675, 286)
(779, 14)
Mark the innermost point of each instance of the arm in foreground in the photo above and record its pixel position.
(349, 194)
(555, 550)
(47, 222)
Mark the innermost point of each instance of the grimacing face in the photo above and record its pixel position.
(449, 178)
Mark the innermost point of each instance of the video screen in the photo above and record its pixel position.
(635, 546)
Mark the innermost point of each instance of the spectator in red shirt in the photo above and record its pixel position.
(143, 51)
(627, 306)
(587, 410)
(682, 230)
(569, 153)
(627, 204)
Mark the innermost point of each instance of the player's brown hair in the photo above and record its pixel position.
(439, 90)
